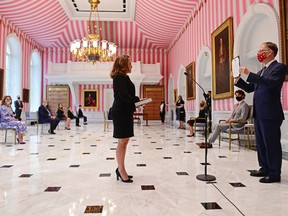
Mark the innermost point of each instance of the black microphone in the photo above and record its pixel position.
(204, 94)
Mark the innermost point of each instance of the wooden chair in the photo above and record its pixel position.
(106, 120)
(239, 132)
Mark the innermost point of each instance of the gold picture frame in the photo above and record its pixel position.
(283, 5)
(90, 98)
(190, 85)
(175, 95)
(222, 45)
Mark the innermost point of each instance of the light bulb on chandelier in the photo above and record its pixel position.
(92, 48)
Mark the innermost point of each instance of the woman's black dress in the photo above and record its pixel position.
(180, 112)
(123, 106)
(199, 119)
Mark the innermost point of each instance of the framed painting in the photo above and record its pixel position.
(175, 95)
(190, 85)
(222, 45)
(90, 98)
(283, 5)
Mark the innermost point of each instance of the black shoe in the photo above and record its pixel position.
(268, 179)
(85, 123)
(257, 173)
(51, 132)
(129, 180)
(67, 128)
(78, 125)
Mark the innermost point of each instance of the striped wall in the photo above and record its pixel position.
(145, 56)
(27, 46)
(196, 33)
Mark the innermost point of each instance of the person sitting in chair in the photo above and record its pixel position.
(199, 119)
(81, 115)
(61, 115)
(7, 119)
(45, 116)
(240, 112)
(72, 116)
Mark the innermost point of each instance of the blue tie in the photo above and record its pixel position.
(263, 70)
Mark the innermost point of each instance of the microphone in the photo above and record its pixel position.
(204, 94)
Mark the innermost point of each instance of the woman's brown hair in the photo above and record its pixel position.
(4, 98)
(121, 65)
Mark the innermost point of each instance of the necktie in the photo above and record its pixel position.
(263, 70)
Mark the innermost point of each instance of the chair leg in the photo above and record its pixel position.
(15, 136)
(229, 141)
(5, 136)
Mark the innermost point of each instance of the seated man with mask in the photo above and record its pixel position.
(45, 116)
(240, 112)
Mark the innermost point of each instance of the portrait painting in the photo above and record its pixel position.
(190, 85)
(1, 83)
(283, 5)
(175, 95)
(90, 98)
(222, 44)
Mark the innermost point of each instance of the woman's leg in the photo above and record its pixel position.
(20, 137)
(120, 156)
(68, 120)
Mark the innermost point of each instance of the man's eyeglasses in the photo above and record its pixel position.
(260, 51)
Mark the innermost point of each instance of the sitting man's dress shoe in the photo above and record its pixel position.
(51, 132)
(257, 173)
(268, 179)
(203, 145)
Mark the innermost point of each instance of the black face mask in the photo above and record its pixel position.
(239, 98)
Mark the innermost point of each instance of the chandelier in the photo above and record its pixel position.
(93, 48)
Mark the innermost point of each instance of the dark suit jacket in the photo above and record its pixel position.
(18, 104)
(267, 90)
(43, 115)
(71, 115)
(80, 113)
(124, 94)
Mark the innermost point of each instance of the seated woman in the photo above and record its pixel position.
(7, 119)
(199, 119)
(61, 115)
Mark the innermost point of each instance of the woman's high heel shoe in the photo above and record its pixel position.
(129, 180)
(129, 176)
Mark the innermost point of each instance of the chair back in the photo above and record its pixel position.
(250, 115)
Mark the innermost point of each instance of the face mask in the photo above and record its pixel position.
(239, 98)
(261, 56)
(179, 98)
(18, 98)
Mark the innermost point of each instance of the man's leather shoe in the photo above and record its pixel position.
(268, 179)
(203, 145)
(51, 132)
(257, 173)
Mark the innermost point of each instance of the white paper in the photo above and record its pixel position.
(143, 102)
(236, 66)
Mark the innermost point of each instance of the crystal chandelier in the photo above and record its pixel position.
(92, 48)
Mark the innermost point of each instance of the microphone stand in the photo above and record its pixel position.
(205, 176)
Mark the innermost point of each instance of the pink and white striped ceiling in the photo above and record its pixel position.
(129, 23)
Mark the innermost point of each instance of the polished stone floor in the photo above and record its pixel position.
(73, 173)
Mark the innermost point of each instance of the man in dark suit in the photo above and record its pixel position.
(81, 115)
(18, 108)
(44, 116)
(267, 111)
(72, 116)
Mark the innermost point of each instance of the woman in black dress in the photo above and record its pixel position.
(61, 115)
(122, 111)
(180, 112)
(199, 119)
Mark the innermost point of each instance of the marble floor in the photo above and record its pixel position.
(73, 173)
